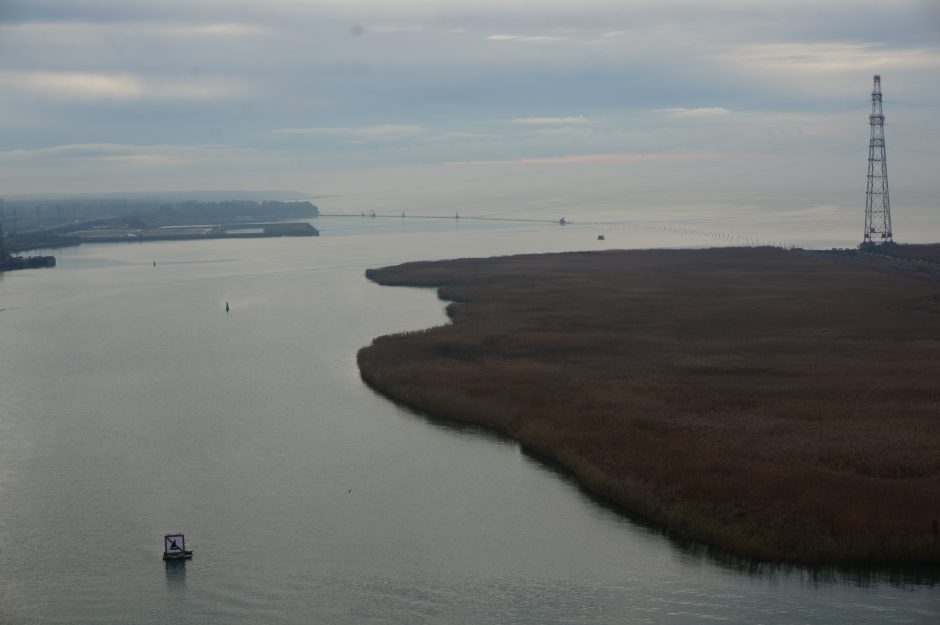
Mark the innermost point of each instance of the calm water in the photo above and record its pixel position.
(132, 405)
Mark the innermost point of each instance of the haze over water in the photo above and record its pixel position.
(132, 405)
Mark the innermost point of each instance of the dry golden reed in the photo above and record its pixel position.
(778, 405)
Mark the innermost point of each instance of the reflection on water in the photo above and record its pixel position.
(814, 576)
(908, 576)
(175, 576)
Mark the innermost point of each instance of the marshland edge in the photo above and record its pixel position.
(779, 405)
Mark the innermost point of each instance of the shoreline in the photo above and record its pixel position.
(51, 239)
(692, 467)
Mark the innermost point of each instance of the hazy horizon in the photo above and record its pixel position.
(483, 107)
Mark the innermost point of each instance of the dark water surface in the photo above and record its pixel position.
(132, 405)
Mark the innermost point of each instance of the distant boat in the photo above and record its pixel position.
(600, 237)
(226, 306)
(174, 547)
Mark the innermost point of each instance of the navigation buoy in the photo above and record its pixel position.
(174, 547)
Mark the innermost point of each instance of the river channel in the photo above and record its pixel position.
(132, 405)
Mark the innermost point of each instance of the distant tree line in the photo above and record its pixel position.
(30, 224)
(190, 212)
(22, 216)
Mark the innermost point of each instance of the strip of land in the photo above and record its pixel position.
(105, 220)
(778, 405)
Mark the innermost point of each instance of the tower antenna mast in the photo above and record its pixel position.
(877, 203)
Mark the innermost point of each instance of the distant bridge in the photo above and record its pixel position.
(730, 238)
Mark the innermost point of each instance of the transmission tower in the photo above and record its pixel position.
(877, 204)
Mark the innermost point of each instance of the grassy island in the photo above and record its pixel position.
(777, 405)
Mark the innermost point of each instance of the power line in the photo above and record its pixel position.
(910, 149)
(930, 106)
(896, 125)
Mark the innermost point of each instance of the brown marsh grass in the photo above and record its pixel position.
(778, 405)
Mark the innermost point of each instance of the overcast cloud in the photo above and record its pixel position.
(349, 97)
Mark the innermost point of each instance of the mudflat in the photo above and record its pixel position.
(780, 405)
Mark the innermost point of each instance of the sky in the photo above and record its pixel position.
(525, 107)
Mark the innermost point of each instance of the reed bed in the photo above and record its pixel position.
(777, 405)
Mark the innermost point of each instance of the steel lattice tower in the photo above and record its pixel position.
(877, 204)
